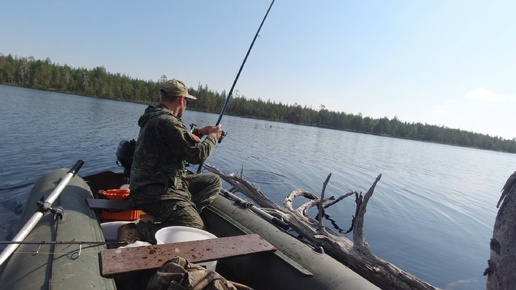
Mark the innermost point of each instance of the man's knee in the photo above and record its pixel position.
(218, 182)
(192, 223)
(188, 217)
(215, 181)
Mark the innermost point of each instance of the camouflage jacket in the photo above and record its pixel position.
(163, 145)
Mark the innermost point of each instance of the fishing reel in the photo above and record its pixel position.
(222, 136)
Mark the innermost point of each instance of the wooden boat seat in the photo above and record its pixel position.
(123, 260)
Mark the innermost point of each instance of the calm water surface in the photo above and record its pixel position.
(432, 212)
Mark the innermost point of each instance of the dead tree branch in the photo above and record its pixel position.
(321, 204)
(339, 199)
(355, 254)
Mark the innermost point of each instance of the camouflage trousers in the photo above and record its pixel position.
(203, 189)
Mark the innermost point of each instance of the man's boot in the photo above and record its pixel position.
(128, 234)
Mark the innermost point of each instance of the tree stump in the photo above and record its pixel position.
(501, 270)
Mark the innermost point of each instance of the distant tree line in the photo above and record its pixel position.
(97, 82)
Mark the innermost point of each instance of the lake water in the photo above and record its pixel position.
(432, 213)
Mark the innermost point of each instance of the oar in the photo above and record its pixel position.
(238, 74)
(31, 223)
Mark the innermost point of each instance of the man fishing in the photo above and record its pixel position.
(159, 183)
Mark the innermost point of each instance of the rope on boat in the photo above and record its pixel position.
(58, 216)
(72, 255)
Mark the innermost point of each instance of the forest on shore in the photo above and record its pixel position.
(97, 82)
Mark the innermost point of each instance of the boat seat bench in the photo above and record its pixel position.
(108, 204)
(123, 260)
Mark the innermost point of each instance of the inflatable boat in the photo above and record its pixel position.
(64, 248)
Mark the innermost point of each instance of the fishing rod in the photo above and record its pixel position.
(242, 66)
(238, 74)
(276, 221)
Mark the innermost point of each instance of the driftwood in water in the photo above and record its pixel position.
(355, 254)
(502, 262)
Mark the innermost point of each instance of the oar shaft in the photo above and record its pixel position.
(64, 182)
(31, 223)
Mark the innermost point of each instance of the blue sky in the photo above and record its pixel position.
(450, 63)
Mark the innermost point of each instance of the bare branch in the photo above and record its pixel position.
(321, 204)
(339, 199)
(303, 209)
(358, 223)
(356, 256)
(296, 193)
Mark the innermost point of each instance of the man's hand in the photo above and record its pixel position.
(216, 131)
(205, 130)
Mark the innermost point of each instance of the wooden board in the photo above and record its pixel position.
(108, 204)
(122, 260)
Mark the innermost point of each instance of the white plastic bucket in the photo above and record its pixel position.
(176, 234)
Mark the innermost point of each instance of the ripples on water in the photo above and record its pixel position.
(431, 214)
